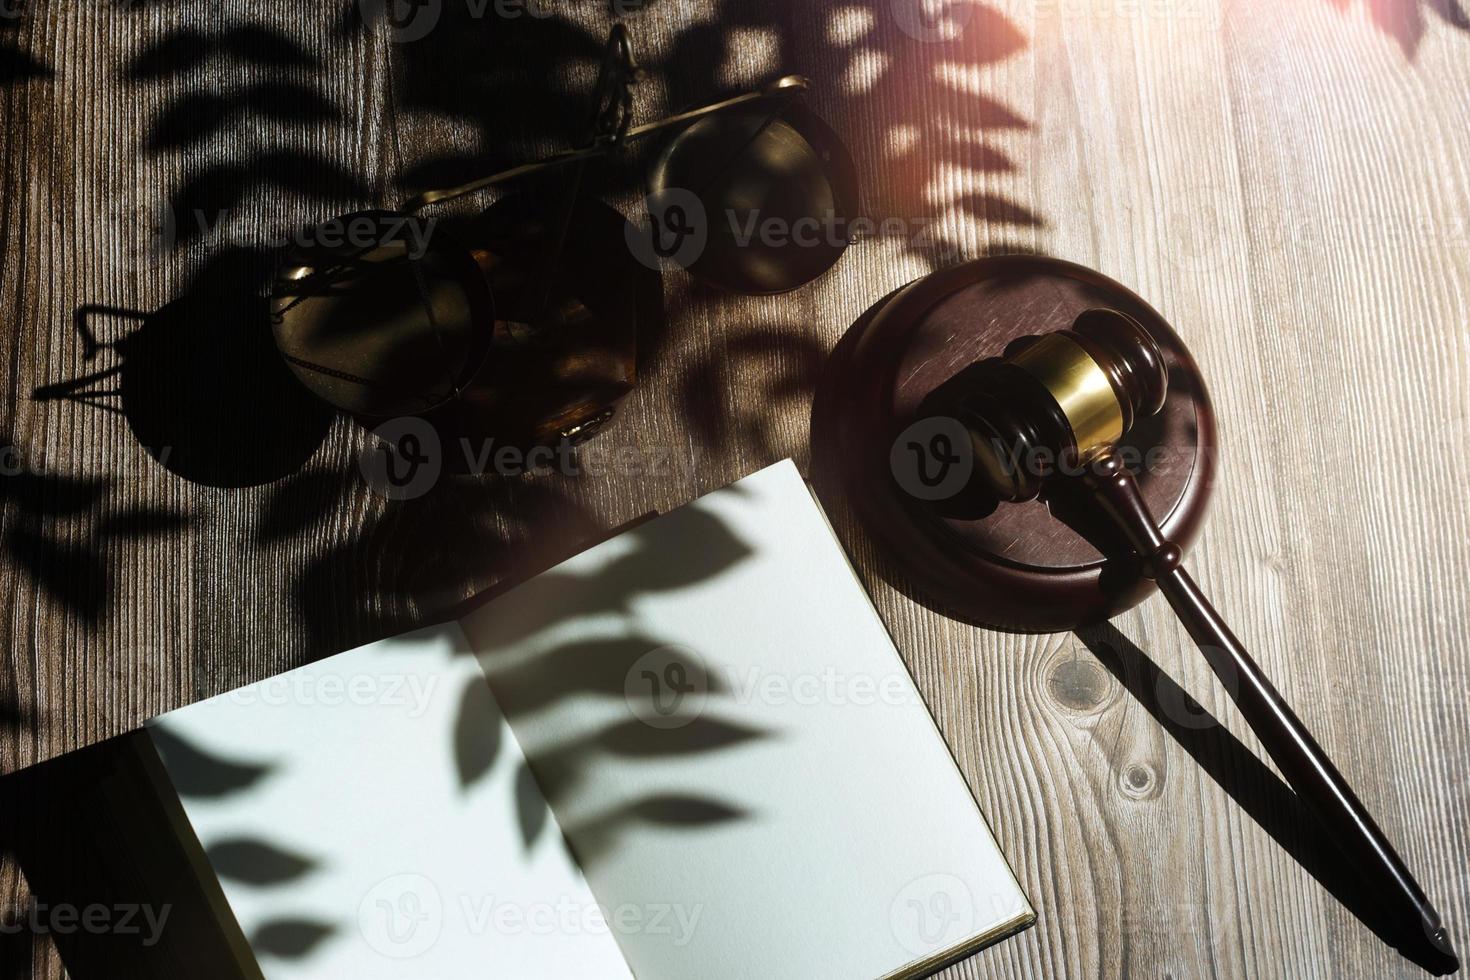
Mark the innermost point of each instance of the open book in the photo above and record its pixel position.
(690, 751)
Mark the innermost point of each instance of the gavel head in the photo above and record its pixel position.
(1057, 400)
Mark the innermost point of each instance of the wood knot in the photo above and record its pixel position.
(1077, 684)
(1140, 781)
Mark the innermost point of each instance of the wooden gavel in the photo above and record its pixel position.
(1054, 410)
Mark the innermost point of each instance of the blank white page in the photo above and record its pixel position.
(737, 753)
(369, 818)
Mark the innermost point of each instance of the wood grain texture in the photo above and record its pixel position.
(1288, 184)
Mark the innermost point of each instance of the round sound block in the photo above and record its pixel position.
(881, 444)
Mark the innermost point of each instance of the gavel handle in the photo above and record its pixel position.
(1296, 754)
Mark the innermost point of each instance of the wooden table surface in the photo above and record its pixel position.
(1288, 183)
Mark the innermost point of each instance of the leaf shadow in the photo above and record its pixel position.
(187, 49)
(256, 862)
(289, 938)
(17, 65)
(940, 123)
(200, 115)
(265, 83)
(533, 672)
(196, 772)
(597, 836)
(923, 81)
(62, 530)
(735, 393)
(476, 732)
(1407, 21)
(508, 78)
(88, 829)
(408, 561)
